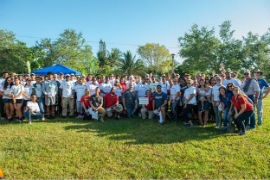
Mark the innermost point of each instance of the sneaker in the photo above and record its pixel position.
(191, 126)
(30, 122)
(43, 119)
(216, 127)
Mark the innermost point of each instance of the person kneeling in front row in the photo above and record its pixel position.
(112, 105)
(32, 109)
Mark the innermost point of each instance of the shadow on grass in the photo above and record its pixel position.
(138, 131)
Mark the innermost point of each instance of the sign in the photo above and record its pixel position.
(143, 100)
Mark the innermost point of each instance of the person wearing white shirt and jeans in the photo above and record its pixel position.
(32, 109)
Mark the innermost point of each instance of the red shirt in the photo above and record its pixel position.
(149, 106)
(86, 101)
(124, 86)
(240, 101)
(110, 100)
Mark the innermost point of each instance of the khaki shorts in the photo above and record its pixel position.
(50, 101)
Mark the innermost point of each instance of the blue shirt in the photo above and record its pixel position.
(226, 100)
(159, 99)
(263, 84)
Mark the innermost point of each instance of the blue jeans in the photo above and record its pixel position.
(227, 117)
(242, 118)
(217, 115)
(29, 116)
(130, 110)
(259, 107)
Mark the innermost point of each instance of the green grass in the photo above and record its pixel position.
(134, 148)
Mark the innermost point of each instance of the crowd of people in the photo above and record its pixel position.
(222, 98)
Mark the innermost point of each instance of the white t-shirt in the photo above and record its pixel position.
(16, 90)
(80, 90)
(165, 86)
(174, 90)
(6, 92)
(106, 88)
(67, 87)
(215, 92)
(33, 105)
(92, 88)
(188, 92)
(28, 90)
(232, 80)
(153, 86)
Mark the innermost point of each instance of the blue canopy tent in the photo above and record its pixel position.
(56, 68)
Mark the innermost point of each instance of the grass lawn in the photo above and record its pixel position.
(132, 148)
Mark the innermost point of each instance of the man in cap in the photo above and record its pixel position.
(160, 103)
(50, 90)
(264, 91)
(251, 88)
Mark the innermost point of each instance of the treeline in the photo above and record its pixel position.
(200, 48)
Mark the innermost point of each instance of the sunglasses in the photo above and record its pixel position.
(246, 73)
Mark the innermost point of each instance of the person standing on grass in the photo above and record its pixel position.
(244, 110)
(37, 90)
(32, 109)
(174, 97)
(79, 90)
(2, 81)
(96, 102)
(50, 90)
(189, 102)
(18, 91)
(28, 89)
(216, 101)
(203, 106)
(264, 87)
(7, 97)
(67, 88)
(160, 101)
(130, 100)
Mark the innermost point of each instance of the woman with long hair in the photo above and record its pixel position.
(7, 98)
(18, 90)
(243, 109)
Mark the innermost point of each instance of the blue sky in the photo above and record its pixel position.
(127, 24)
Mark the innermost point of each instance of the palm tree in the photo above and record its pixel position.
(129, 65)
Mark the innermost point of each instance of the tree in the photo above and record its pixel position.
(69, 49)
(13, 53)
(230, 51)
(256, 51)
(154, 57)
(130, 65)
(199, 48)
